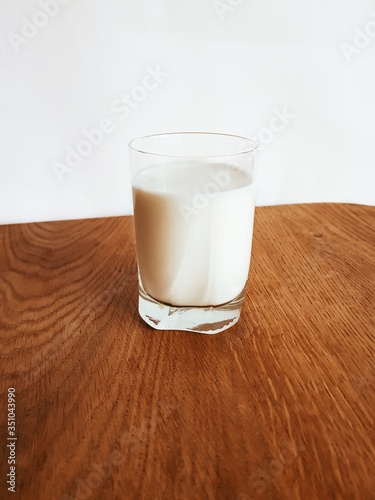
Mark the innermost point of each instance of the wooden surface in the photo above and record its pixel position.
(281, 406)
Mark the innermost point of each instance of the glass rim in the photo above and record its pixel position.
(169, 134)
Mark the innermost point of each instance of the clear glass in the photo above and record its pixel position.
(194, 200)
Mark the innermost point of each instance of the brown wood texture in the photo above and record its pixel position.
(281, 406)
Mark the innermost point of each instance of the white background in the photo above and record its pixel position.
(232, 67)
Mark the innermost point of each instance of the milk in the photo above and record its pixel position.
(194, 225)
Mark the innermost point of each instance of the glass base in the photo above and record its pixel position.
(209, 320)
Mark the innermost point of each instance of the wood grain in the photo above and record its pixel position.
(281, 406)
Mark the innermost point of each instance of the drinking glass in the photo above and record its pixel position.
(193, 197)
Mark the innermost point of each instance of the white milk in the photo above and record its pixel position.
(194, 225)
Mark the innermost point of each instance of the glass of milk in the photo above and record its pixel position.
(193, 196)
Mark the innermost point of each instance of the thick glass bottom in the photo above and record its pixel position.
(209, 320)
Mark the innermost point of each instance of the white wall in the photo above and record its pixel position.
(224, 65)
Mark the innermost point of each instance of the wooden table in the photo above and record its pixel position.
(281, 406)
